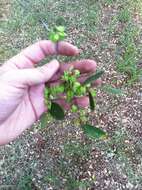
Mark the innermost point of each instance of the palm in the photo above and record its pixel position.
(27, 107)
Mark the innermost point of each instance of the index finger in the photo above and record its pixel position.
(38, 51)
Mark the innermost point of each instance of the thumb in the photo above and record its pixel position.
(38, 75)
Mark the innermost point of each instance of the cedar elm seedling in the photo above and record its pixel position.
(70, 87)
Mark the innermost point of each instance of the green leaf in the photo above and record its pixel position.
(54, 37)
(57, 111)
(60, 29)
(93, 77)
(91, 101)
(70, 95)
(43, 120)
(62, 35)
(74, 108)
(93, 132)
(93, 92)
(111, 90)
(46, 93)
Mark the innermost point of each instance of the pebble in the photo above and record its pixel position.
(130, 186)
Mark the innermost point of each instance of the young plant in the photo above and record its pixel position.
(57, 34)
(70, 87)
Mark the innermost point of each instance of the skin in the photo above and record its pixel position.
(22, 85)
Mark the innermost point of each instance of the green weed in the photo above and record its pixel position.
(124, 15)
(127, 61)
(25, 183)
(112, 26)
(73, 157)
(109, 2)
(77, 150)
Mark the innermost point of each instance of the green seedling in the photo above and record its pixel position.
(57, 34)
(69, 88)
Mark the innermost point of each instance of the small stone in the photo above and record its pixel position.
(129, 185)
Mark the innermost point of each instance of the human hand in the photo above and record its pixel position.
(22, 85)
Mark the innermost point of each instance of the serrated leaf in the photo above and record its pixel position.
(91, 101)
(57, 111)
(93, 132)
(112, 90)
(43, 120)
(93, 77)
